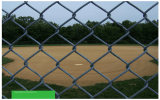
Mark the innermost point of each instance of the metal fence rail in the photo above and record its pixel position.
(127, 33)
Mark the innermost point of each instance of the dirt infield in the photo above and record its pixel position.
(75, 65)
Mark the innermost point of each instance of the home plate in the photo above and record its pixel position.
(78, 64)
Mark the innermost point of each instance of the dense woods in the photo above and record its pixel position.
(109, 32)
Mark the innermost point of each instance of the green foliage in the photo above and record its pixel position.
(109, 32)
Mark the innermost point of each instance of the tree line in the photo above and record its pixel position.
(108, 32)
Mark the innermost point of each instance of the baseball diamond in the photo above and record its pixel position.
(85, 62)
(75, 65)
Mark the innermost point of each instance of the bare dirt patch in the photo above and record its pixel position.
(75, 65)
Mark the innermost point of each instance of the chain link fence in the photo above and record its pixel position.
(75, 41)
(127, 33)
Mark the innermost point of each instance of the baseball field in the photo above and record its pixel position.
(75, 65)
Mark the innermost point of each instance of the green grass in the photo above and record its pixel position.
(154, 61)
(127, 87)
(6, 60)
(3, 46)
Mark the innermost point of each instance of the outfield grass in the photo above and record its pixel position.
(154, 61)
(6, 60)
(3, 46)
(128, 87)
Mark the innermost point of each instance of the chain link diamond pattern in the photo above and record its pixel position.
(108, 13)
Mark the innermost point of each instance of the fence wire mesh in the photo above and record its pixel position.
(108, 13)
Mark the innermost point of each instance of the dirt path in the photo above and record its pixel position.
(75, 65)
